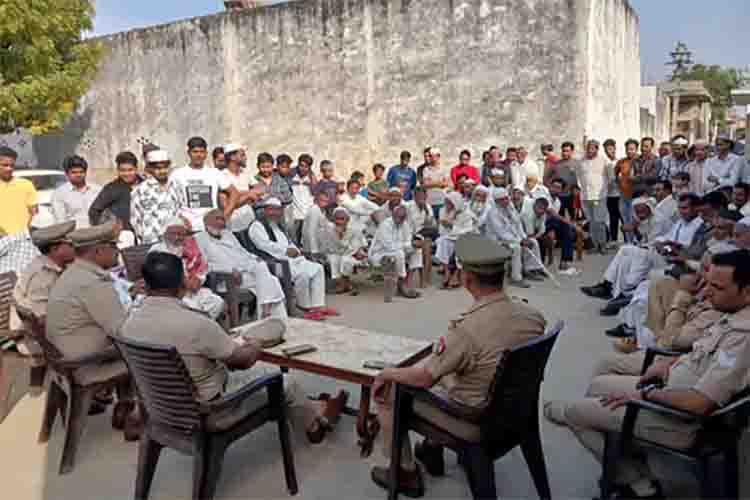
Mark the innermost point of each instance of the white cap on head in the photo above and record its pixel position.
(482, 189)
(394, 190)
(470, 181)
(435, 151)
(175, 222)
(157, 156)
(272, 202)
(231, 148)
(680, 141)
(499, 192)
(340, 210)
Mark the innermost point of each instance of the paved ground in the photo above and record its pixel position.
(106, 465)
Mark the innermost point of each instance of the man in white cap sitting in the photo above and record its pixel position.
(394, 240)
(177, 241)
(269, 236)
(152, 203)
(224, 253)
(502, 223)
(345, 248)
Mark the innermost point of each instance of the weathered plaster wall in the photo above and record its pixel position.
(614, 70)
(359, 80)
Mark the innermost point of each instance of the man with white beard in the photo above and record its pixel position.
(268, 236)
(346, 249)
(479, 201)
(502, 223)
(178, 242)
(394, 240)
(224, 254)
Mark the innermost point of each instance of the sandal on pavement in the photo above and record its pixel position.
(314, 316)
(335, 407)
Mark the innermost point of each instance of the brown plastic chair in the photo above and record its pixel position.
(176, 419)
(134, 257)
(510, 419)
(236, 299)
(67, 394)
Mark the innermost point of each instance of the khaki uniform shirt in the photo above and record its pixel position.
(34, 286)
(200, 341)
(688, 320)
(466, 359)
(83, 310)
(719, 365)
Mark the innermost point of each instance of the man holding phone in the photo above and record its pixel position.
(463, 362)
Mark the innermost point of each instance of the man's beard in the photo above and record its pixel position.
(478, 206)
(176, 250)
(214, 231)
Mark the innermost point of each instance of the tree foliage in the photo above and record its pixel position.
(45, 65)
(719, 81)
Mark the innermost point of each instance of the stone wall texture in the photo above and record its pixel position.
(357, 81)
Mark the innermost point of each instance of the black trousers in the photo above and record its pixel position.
(615, 217)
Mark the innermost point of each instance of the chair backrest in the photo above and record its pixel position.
(134, 257)
(244, 238)
(7, 283)
(37, 330)
(163, 383)
(514, 394)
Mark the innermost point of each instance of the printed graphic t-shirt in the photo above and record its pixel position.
(197, 191)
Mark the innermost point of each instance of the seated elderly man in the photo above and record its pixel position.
(224, 254)
(345, 248)
(502, 223)
(462, 366)
(268, 235)
(394, 244)
(700, 382)
(420, 216)
(209, 353)
(455, 220)
(479, 201)
(83, 311)
(632, 263)
(177, 241)
(36, 280)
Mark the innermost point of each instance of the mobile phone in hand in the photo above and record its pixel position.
(298, 350)
(374, 365)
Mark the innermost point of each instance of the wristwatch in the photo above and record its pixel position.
(648, 390)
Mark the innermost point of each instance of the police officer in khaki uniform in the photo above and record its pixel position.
(464, 361)
(83, 310)
(700, 382)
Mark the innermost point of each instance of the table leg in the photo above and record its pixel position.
(364, 411)
(368, 426)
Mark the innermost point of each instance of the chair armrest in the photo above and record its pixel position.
(652, 352)
(743, 403)
(665, 410)
(235, 397)
(90, 359)
(449, 406)
(215, 278)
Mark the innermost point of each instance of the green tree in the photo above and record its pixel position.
(45, 65)
(719, 81)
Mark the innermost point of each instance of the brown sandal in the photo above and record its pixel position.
(318, 435)
(335, 407)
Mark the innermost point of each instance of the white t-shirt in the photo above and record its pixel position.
(197, 191)
(435, 196)
(243, 216)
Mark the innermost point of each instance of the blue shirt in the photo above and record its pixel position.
(398, 173)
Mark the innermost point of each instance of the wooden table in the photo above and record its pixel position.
(341, 353)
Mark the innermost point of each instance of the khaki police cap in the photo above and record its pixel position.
(104, 233)
(53, 234)
(481, 255)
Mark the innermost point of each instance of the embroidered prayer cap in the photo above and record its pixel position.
(481, 255)
(680, 141)
(96, 235)
(496, 172)
(499, 192)
(175, 222)
(231, 148)
(157, 156)
(57, 233)
(272, 202)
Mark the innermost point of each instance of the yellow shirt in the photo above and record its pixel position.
(17, 197)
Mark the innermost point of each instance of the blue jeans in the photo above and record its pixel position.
(566, 235)
(626, 212)
(436, 211)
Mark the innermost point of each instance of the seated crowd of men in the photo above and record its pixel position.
(680, 281)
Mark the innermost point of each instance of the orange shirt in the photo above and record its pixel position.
(624, 177)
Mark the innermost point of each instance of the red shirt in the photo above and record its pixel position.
(470, 171)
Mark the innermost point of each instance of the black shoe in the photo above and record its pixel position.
(533, 276)
(613, 306)
(601, 291)
(627, 493)
(431, 457)
(620, 331)
(412, 484)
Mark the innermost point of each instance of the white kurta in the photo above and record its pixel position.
(395, 241)
(631, 267)
(360, 210)
(340, 251)
(202, 300)
(308, 276)
(311, 230)
(226, 255)
(418, 218)
(464, 222)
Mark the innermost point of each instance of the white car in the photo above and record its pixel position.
(45, 182)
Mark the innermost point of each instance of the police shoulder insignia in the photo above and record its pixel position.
(438, 347)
